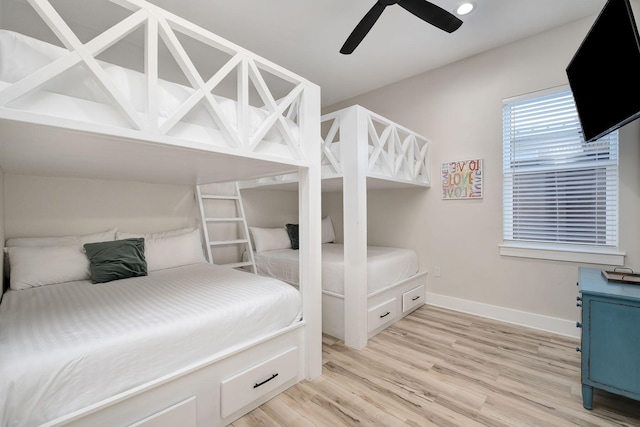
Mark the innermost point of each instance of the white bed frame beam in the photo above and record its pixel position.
(309, 211)
(355, 160)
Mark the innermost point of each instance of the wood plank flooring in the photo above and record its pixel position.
(443, 368)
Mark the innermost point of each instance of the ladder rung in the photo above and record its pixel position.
(239, 218)
(237, 264)
(218, 197)
(228, 242)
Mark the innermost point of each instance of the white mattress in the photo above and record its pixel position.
(385, 266)
(21, 55)
(69, 345)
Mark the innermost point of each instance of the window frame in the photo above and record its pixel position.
(582, 253)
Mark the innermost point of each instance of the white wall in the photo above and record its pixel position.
(37, 206)
(459, 107)
(270, 208)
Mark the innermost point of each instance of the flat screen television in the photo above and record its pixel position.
(604, 74)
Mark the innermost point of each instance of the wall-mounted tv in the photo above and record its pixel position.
(604, 74)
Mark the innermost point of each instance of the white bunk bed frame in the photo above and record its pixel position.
(384, 155)
(365, 315)
(392, 156)
(211, 393)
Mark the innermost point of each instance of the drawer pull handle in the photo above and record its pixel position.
(415, 298)
(578, 349)
(578, 325)
(385, 315)
(265, 381)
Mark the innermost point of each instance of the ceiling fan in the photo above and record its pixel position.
(424, 10)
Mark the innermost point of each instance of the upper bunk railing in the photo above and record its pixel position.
(394, 153)
(254, 127)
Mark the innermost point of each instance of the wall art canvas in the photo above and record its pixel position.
(462, 179)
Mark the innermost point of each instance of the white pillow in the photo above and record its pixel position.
(169, 250)
(269, 239)
(328, 235)
(120, 236)
(105, 236)
(33, 266)
(42, 277)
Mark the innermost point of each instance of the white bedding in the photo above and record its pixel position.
(385, 266)
(21, 55)
(68, 345)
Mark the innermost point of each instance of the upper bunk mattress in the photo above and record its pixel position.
(69, 345)
(385, 266)
(75, 94)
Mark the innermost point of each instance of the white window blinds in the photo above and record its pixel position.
(557, 188)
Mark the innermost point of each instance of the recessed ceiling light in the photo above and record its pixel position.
(465, 8)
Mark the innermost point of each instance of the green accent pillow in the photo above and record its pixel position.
(118, 259)
(292, 231)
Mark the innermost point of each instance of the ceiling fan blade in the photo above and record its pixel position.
(363, 27)
(434, 15)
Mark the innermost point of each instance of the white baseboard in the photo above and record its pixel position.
(508, 315)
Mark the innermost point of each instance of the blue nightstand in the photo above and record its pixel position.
(610, 336)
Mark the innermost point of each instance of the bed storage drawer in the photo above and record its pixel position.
(249, 385)
(383, 314)
(182, 414)
(413, 298)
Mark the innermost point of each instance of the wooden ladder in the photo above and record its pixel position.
(243, 241)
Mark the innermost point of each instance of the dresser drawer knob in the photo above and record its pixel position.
(578, 304)
(578, 349)
(578, 325)
(578, 298)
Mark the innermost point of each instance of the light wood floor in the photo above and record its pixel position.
(443, 368)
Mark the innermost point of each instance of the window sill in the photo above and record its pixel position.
(555, 253)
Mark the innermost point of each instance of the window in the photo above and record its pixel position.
(560, 193)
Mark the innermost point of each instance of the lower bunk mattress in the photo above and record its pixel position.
(385, 266)
(69, 345)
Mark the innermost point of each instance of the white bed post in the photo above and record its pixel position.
(355, 162)
(310, 208)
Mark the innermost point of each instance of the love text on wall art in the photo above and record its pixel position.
(462, 179)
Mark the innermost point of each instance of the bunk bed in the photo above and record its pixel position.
(65, 113)
(361, 150)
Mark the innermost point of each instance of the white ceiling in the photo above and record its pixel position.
(305, 36)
